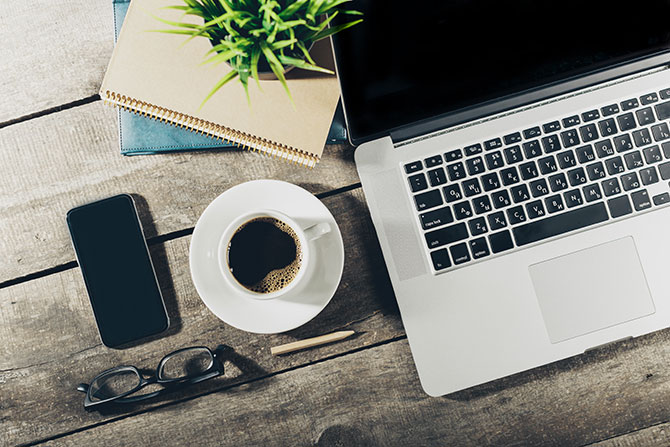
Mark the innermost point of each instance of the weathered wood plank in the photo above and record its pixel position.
(654, 436)
(373, 397)
(49, 343)
(52, 163)
(53, 52)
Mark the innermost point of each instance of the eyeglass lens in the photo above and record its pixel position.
(113, 384)
(186, 363)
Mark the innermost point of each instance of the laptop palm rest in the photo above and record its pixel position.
(591, 289)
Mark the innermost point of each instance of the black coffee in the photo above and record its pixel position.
(264, 255)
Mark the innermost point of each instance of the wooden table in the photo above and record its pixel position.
(59, 148)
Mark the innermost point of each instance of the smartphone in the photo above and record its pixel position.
(120, 279)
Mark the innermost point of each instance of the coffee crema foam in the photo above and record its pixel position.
(277, 279)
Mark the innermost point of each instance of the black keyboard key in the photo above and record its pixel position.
(558, 182)
(645, 116)
(533, 132)
(539, 188)
(440, 259)
(439, 217)
(413, 167)
(462, 210)
(592, 192)
(629, 104)
(512, 138)
(585, 154)
(513, 154)
(604, 148)
(456, 171)
(428, 200)
(535, 209)
(570, 138)
(547, 165)
(662, 110)
(509, 176)
(497, 221)
(471, 187)
(532, 149)
(607, 127)
(528, 170)
(520, 193)
(490, 181)
(576, 177)
(516, 215)
(417, 182)
(475, 165)
(501, 241)
(501, 199)
(459, 253)
(660, 132)
(642, 137)
(452, 193)
(590, 115)
(454, 155)
(551, 144)
(482, 204)
(641, 200)
(619, 206)
(664, 170)
(495, 143)
(437, 177)
(560, 224)
(610, 110)
(596, 171)
(446, 235)
(472, 149)
(661, 199)
(588, 132)
(433, 161)
(652, 154)
(649, 98)
(554, 203)
(478, 226)
(633, 160)
(566, 159)
(551, 127)
(611, 187)
(614, 165)
(630, 181)
(626, 122)
(623, 143)
(573, 198)
(665, 93)
(494, 160)
(648, 176)
(666, 149)
(479, 248)
(571, 121)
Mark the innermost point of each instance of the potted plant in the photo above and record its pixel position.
(260, 37)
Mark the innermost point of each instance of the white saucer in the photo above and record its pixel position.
(300, 304)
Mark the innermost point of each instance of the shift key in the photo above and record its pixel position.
(447, 235)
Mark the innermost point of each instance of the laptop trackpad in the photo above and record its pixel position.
(591, 289)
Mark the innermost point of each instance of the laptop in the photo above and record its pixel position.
(515, 158)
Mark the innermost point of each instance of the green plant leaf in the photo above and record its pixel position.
(335, 29)
(287, 60)
(223, 81)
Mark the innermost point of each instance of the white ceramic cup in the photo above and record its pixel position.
(305, 236)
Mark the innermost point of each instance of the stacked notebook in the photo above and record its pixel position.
(161, 63)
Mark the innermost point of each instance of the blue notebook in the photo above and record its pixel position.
(139, 135)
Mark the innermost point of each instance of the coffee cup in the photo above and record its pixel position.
(265, 254)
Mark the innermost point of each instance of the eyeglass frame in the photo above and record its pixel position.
(215, 370)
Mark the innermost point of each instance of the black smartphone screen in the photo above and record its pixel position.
(117, 269)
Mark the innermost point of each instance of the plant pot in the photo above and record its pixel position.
(265, 73)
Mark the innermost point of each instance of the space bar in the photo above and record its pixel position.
(553, 226)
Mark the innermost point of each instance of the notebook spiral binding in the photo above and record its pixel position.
(240, 139)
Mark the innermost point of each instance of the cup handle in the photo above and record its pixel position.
(317, 230)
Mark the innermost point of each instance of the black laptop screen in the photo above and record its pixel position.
(409, 61)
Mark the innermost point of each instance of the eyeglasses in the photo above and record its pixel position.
(183, 367)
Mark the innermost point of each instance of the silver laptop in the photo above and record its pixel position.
(515, 157)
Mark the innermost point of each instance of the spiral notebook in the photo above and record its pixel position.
(157, 75)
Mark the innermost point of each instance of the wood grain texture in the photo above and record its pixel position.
(53, 52)
(53, 163)
(373, 397)
(654, 436)
(49, 342)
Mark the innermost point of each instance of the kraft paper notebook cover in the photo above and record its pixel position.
(158, 75)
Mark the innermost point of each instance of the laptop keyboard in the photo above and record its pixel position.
(493, 196)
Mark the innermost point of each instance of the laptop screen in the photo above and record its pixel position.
(409, 61)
